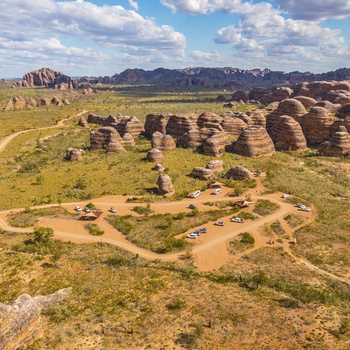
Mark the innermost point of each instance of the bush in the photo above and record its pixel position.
(265, 207)
(94, 230)
(247, 238)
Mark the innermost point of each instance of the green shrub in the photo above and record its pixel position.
(265, 207)
(94, 230)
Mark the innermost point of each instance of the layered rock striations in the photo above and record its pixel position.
(163, 142)
(165, 185)
(338, 145)
(106, 138)
(202, 173)
(254, 141)
(239, 173)
(19, 102)
(20, 323)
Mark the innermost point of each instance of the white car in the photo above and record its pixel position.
(217, 191)
(304, 208)
(219, 223)
(192, 236)
(113, 210)
(77, 208)
(196, 194)
(237, 220)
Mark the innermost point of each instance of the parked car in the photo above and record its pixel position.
(86, 209)
(192, 206)
(300, 205)
(196, 194)
(203, 230)
(240, 220)
(219, 223)
(192, 236)
(77, 208)
(304, 208)
(217, 191)
(113, 210)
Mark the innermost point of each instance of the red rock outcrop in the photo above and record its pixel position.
(208, 117)
(239, 96)
(233, 126)
(155, 155)
(329, 106)
(239, 173)
(215, 165)
(338, 145)
(254, 141)
(202, 173)
(156, 122)
(317, 125)
(47, 77)
(163, 142)
(180, 124)
(131, 125)
(165, 185)
(106, 138)
(344, 111)
(307, 102)
(74, 154)
(287, 134)
(20, 323)
(215, 144)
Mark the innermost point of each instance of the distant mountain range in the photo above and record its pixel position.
(217, 77)
(227, 78)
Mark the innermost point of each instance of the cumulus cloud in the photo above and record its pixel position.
(102, 27)
(196, 7)
(276, 36)
(315, 9)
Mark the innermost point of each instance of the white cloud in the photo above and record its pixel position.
(134, 5)
(316, 9)
(196, 7)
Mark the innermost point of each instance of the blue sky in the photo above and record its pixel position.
(104, 37)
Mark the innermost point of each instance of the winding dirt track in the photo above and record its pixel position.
(210, 250)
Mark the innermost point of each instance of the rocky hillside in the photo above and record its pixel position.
(229, 78)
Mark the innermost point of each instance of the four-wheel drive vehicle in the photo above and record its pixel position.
(217, 191)
(77, 208)
(113, 210)
(237, 220)
(86, 209)
(219, 223)
(196, 194)
(192, 206)
(192, 235)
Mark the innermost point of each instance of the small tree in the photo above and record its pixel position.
(43, 234)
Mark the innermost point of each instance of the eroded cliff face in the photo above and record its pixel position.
(20, 323)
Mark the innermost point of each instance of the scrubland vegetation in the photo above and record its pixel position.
(121, 301)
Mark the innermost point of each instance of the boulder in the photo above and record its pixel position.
(338, 145)
(128, 140)
(216, 166)
(221, 98)
(83, 122)
(202, 173)
(115, 147)
(165, 185)
(159, 167)
(254, 141)
(74, 154)
(20, 323)
(155, 155)
(239, 173)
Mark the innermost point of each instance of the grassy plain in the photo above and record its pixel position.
(121, 301)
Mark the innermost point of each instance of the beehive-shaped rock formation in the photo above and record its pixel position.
(163, 142)
(159, 167)
(106, 138)
(202, 173)
(130, 125)
(338, 145)
(208, 117)
(215, 165)
(287, 134)
(165, 185)
(233, 126)
(155, 155)
(317, 125)
(20, 323)
(307, 102)
(180, 124)
(215, 144)
(156, 122)
(338, 96)
(328, 106)
(74, 154)
(254, 141)
(291, 107)
(344, 111)
(239, 173)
